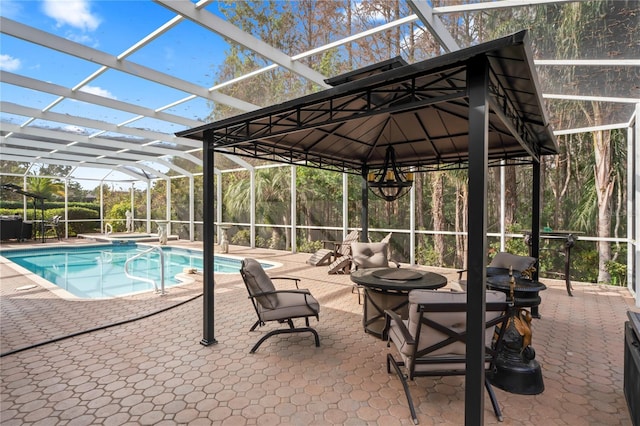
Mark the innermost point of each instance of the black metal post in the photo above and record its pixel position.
(477, 86)
(535, 225)
(535, 217)
(209, 231)
(364, 214)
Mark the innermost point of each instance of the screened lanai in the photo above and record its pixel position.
(108, 122)
(96, 95)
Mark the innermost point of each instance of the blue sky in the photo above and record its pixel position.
(187, 51)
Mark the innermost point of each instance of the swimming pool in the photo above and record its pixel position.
(97, 271)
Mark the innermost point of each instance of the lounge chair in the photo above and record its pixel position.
(325, 255)
(281, 306)
(432, 341)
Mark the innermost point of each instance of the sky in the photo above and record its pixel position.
(187, 51)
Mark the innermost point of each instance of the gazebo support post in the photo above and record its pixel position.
(478, 92)
(209, 231)
(364, 212)
(535, 216)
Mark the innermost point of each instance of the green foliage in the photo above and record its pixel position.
(10, 212)
(305, 246)
(82, 214)
(584, 265)
(241, 238)
(618, 273)
(118, 211)
(45, 187)
(426, 255)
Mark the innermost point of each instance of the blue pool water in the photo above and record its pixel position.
(98, 271)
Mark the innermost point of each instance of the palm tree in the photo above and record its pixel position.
(272, 200)
(46, 188)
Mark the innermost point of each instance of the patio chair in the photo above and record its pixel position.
(53, 225)
(326, 256)
(502, 263)
(370, 255)
(281, 306)
(432, 341)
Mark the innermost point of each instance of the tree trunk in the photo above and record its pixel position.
(437, 204)
(419, 201)
(462, 206)
(604, 190)
(510, 196)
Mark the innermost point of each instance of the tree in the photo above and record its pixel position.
(437, 207)
(581, 30)
(47, 188)
(272, 201)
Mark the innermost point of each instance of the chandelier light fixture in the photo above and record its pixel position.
(389, 182)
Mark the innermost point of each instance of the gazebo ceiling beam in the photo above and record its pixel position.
(245, 134)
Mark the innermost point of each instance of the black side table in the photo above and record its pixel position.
(526, 292)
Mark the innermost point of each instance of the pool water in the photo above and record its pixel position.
(98, 271)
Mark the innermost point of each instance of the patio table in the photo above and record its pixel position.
(388, 288)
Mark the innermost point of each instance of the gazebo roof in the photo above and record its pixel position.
(421, 109)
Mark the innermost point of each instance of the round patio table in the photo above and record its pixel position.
(388, 288)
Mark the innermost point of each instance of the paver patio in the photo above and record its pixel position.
(154, 371)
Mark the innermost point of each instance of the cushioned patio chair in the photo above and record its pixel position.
(326, 256)
(282, 306)
(432, 341)
(369, 255)
(502, 263)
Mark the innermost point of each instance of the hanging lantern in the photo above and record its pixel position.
(389, 182)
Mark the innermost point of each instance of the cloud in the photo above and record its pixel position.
(8, 63)
(83, 39)
(95, 90)
(75, 13)
(74, 129)
(11, 9)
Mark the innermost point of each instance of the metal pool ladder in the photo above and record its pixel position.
(148, 280)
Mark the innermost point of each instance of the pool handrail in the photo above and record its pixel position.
(148, 280)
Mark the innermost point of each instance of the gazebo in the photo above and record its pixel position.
(472, 108)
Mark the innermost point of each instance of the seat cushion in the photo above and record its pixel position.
(370, 255)
(257, 281)
(517, 262)
(291, 305)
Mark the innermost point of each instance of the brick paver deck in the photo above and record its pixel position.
(154, 371)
